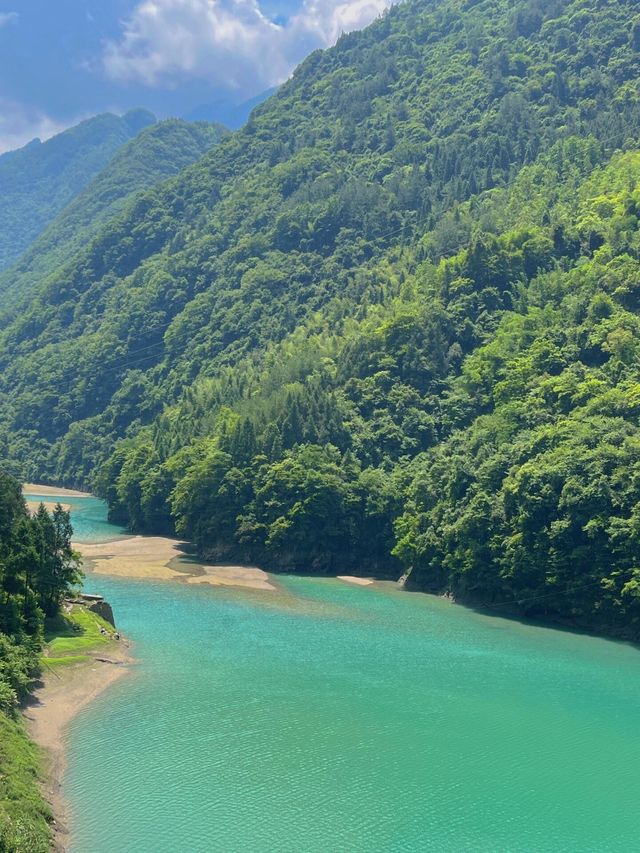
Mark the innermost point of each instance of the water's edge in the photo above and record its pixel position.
(50, 711)
(457, 690)
(60, 695)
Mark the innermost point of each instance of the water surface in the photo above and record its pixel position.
(89, 515)
(326, 717)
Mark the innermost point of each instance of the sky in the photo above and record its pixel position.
(65, 60)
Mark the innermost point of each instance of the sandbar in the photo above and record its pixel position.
(36, 489)
(246, 576)
(161, 558)
(355, 580)
(136, 557)
(32, 506)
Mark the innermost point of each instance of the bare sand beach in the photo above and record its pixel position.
(36, 489)
(64, 692)
(32, 506)
(355, 580)
(160, 558)
(249, 577)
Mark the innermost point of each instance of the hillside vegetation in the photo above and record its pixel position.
(156, 153)
(479, 431)
(37, 568)
(389, 326)
(37, 181)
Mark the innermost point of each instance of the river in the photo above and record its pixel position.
(329, 717)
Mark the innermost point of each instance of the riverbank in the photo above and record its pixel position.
(55, 491)
(32, 506)
(30, 489)
(356, 580)
(82, 659)
(161, 558)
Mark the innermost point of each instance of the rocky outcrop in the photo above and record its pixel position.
(99, 606)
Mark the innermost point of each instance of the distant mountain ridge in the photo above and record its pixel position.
(34, 143)
(159, 151)
(38, 180)
(228, 112)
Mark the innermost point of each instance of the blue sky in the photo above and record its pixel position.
(64, 60)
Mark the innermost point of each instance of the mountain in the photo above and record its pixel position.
(388, 326)
(8, 155)
(156, 153)
(478, 430)
(227, 112)
(37, 181)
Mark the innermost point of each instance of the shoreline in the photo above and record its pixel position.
(48, 713)
(64, 691)
(356, 581)
(67, 690)
(84, 656)
(36, 489)
(32, 506)
(162, 558)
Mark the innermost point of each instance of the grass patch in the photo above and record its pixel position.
(50, 663)
(71, 634)
(24, 815)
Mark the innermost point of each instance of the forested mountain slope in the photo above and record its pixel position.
(158, 152)
(37, 181)
(479, 431)
(388, 317)
(366, 147)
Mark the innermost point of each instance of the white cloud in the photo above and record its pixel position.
(328, 19)
(20, 124)
(8, 17)
(229, 43)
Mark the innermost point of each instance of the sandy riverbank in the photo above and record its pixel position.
(32, 506)
(64, 692)
(354, 580)
(37, 489)
(160, 558)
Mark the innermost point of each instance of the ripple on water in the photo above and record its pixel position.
(326, 717)
(406, 724)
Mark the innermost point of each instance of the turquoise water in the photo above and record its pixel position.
(89, 515)
(326, 717)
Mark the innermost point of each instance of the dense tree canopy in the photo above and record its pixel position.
(37, 181)
(157, 152)
(479, 431)
(391, 325)
(37, 568)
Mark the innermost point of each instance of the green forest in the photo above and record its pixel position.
(390, 326)
(156, 153)
(37, 181)
(38, 567)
